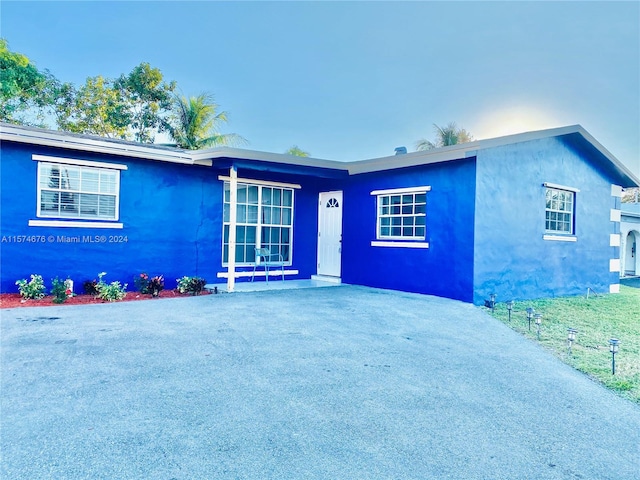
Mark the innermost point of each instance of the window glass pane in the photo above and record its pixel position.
(90, 181)
(385, 231)
(250, 252)
(49, 202)
(285, 235)
(395, 199)
(252, 214)
(385, 221)
(107, 206)
(276, 216)
(225, 253)
(396, 220)
(407, 231)
(227, 192)
(225, 234)
(242, 194)
(240, 234)
(107, 182)
(266, 196)
(420, 209)
(407, 220)
(89, 204)
(264, 237)
(252, 195)
(68, 203)
(241, 214)
(287, 198)
(266, 215)
(277, 196)
(395, 210)
(407, 199)
(385, 200)
(275, 235)
(251, 235)
(420, 220)
(70, 178)
(395, 231)
(421, 197)
(239, 254)
(225, 213)
(407, 209)
(420, 232)
(286, 216)
(384, 211)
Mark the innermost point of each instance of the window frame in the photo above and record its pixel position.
(259, 224)
(56, 219)
(555, 234)
(392, 240)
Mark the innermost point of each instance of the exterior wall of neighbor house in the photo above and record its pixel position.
(166, 211)
(512, 259)
(446, 267)
(630, 239)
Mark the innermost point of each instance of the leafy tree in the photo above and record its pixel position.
(148, 98)
(23, 88)
(294, 150)
(445, 136)
(631, 195)
(195, 123)
(133, 106)
(97, 107)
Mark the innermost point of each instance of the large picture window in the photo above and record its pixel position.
(559, 212)
(264, 219)
(402, 214)
(77, 191)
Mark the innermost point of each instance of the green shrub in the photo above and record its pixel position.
(141, 282)
(111, 292)
(32, 289)
(90, 287)
(191, 285)
(60, 290)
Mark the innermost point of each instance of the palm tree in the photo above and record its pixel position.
(195, 123)
(296, 151)
(445, 136)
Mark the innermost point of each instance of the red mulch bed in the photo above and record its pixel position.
(13, 300)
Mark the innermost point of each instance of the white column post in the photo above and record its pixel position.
(233, 204)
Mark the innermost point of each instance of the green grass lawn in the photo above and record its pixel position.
(597, 320)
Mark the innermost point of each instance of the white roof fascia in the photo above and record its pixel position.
(282, 158)
(9, 133)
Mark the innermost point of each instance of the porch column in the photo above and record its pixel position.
(233, 204)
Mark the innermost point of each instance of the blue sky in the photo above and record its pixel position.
(354, 80)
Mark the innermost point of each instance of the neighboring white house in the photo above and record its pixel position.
(630, 239)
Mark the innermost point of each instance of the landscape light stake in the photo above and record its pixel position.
(571, 336)
(509, 308)
(530, 311)
(538, 317)
(613, 348)
(492, 299)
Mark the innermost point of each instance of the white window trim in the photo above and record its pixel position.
(406, 244)
(561, 187)
(62, 223)
(260, 183)
(264, 183)
(388, 241)
(560, 238)
(393, 191)
(557, 235)
(80, 163)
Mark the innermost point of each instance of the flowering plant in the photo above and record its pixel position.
(191, 285)
(60, 290)
(32, 289)
(156, 285)
(142, 282)
(111, 292)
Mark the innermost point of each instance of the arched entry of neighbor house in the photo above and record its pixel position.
(631, 253)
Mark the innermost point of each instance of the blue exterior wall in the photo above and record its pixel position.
(171, 226)
(511, 257)
(446, 267)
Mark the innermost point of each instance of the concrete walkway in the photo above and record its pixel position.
(328, 383)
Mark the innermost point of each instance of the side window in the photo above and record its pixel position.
(402, 215)
(559, 211)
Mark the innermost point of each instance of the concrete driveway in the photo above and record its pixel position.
(330, 383)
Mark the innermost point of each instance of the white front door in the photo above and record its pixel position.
(330, 233)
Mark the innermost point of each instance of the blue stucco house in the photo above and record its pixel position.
(523, 216)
